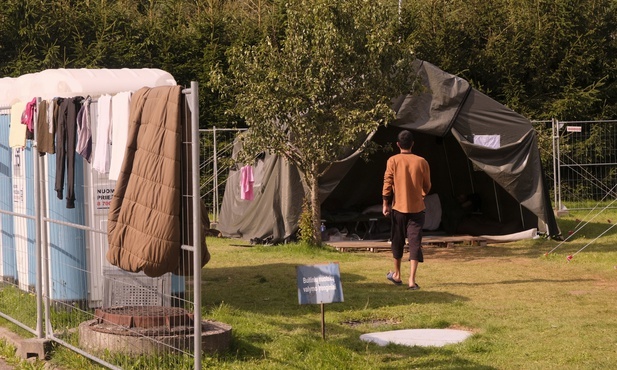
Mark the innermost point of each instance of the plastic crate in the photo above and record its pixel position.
(122, 288)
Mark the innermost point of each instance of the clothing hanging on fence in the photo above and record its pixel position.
(120, 108)
(17, 130)
(28, 118)
(64, 127)
(84, 134)
(102, 148)
(144, 222)
(44, 138)
(65, 148)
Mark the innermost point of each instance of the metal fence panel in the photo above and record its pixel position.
(586, 159)
(109, 315)
(17, 264)
(217, 149)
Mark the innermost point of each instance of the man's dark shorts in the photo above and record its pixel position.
(407, 225)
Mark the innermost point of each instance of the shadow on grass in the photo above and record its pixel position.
(523, 249)
(267, 292)
(272, 289)
(522, 281)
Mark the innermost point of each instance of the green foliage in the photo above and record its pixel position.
(317, 91)
(312, 94)
(20, 304)
(542, 58)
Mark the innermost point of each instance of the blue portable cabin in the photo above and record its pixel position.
(76, 256)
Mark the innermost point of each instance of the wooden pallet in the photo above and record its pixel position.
(448, 241)
(429, 241)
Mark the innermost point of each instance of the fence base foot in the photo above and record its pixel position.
(40, 348)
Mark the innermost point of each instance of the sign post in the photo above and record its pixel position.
(319, 284)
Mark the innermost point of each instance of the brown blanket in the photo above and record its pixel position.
(144, 221)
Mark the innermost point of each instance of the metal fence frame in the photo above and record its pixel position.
(568, 134)
(215, 168)
(52, 313)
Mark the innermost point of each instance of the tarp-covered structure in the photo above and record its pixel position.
(69, 82)
(473, 144)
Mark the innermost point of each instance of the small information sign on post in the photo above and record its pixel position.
(319, 284)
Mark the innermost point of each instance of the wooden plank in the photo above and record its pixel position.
(433, 241)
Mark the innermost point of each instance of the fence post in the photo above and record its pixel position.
(38, 220)
(197, 237)
(215, 179)
(556, 164)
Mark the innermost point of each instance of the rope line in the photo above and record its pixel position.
(584, 223)
(569, 258)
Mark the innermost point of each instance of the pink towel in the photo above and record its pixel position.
(27, 117)
(246, 183)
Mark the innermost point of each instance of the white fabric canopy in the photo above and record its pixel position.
(50, 83)
(6, 84)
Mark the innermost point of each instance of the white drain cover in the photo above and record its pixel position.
(417, 337)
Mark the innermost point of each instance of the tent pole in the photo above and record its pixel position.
(445, 154)
(497, 201)
(215, 179)
(470, 170)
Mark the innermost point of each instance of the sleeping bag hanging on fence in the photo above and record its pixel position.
(144, 221)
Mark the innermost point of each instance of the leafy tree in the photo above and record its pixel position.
(316, 92)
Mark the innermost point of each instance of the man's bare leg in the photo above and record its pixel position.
(397, 269)
(413, 267)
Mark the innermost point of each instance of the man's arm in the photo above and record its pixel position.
(426, 185)
(388, 180)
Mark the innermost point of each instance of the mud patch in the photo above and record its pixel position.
(370, 322)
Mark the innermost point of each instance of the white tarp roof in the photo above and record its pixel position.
(6, 84)
(51, 83)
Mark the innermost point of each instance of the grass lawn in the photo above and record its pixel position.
(526, 310)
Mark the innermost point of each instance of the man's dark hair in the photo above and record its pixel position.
(405, 139)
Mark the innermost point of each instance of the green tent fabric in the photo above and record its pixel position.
(472, 143)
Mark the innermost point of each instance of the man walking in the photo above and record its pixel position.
(406, 181)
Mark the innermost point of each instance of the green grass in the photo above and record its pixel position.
(527, 310)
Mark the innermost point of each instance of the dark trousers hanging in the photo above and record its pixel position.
(65, 148)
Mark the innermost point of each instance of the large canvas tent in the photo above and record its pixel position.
(473, 144)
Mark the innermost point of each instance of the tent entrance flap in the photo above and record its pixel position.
(454, 177)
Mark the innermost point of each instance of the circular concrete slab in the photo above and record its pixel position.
(417, 337)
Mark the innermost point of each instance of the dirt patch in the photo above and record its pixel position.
(370, 322)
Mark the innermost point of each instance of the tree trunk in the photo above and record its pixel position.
(315, 209)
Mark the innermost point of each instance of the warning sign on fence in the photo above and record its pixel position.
(574, 129)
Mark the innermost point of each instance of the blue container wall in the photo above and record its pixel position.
(177, 284)
(9, 260)
(67, 244)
